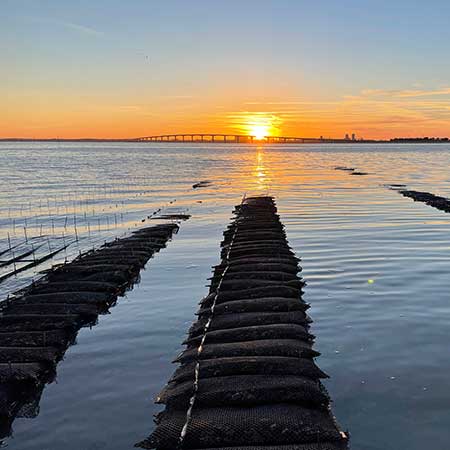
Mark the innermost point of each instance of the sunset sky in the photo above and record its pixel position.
(110, 68)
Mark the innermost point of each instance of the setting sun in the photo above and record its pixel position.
(257, 124)
(259, 131)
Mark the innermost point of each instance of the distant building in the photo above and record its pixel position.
(353, 137)
(347, 137)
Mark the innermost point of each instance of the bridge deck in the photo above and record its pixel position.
(231, 138)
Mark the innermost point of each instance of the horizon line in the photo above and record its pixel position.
(250, 139)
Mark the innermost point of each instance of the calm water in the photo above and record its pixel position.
(385, 343)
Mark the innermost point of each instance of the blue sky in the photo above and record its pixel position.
(204, 57)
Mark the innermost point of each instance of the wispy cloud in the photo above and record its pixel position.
(377, 112)
(289, 102)
(78, 28)
(406, 93)
(82, 29)
(129, 108)
(177, 97)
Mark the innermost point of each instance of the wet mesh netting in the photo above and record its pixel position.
(239, 320)
(247, 379)
(274, 331)
(269, 347)
(270, 304)
(249, 365)
(38, 323)
(310, 446)
(259, 425)
(247, 390)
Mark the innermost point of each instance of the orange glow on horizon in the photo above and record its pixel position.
(47, 115)
(259, 125)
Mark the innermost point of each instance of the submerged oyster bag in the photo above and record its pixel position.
(247, 379)
(40, 322)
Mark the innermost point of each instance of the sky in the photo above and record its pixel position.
(120, 69)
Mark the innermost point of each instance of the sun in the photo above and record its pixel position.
(259, 125)
(259, 131)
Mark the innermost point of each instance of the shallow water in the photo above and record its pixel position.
(376, 266)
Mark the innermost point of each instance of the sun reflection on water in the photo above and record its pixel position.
(260, 173)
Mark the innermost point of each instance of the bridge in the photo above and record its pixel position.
(231, 138)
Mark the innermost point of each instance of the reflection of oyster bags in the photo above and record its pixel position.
(247, 378)
(39, 324)
(30, 410)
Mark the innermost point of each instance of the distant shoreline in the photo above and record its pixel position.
(318, 141)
